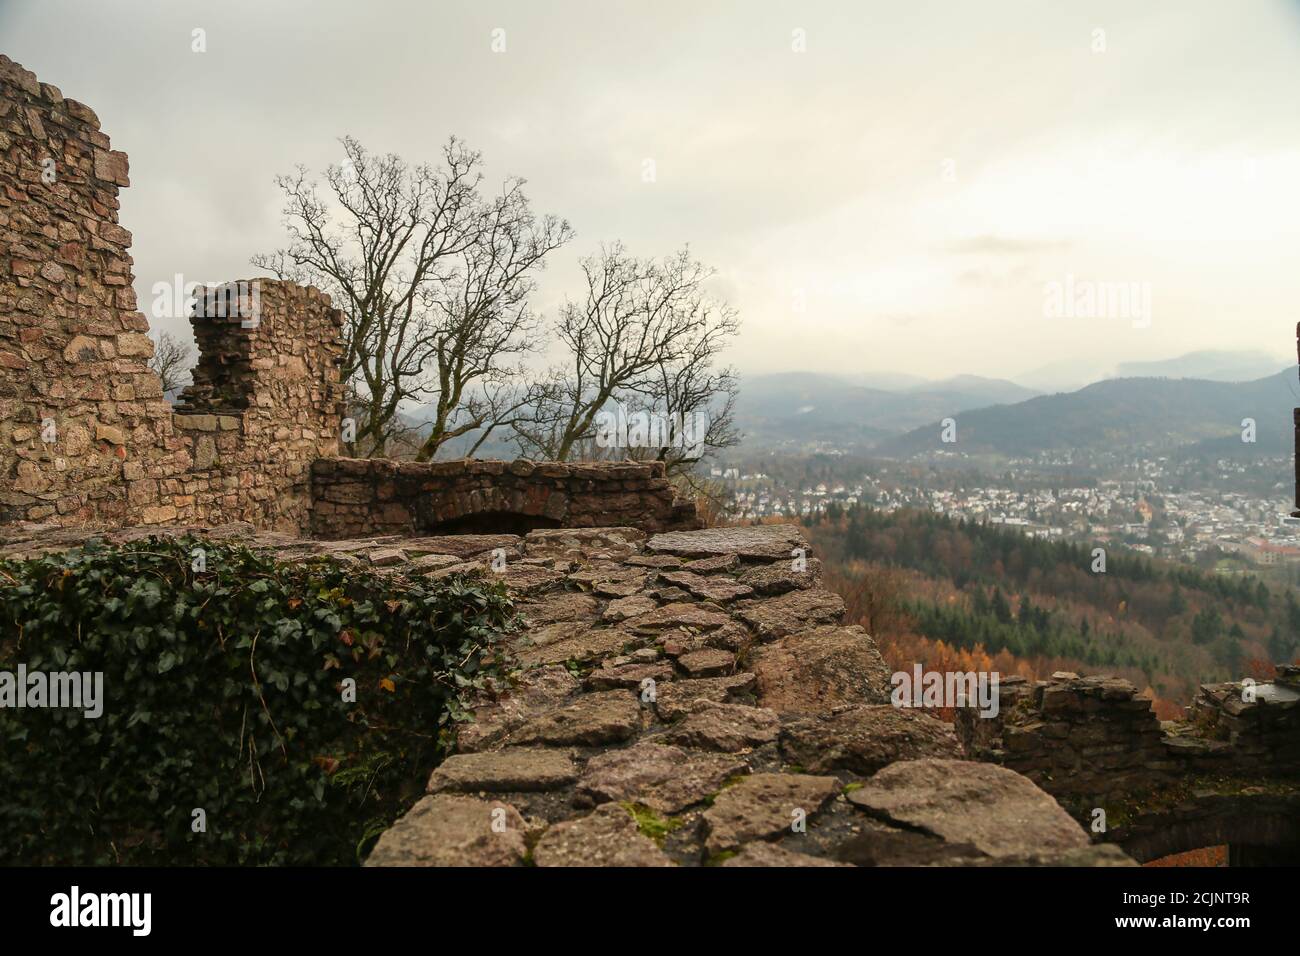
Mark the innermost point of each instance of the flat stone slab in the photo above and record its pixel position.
(707, 662)
(792, 612)
(653, 561)
(528, 578)
(600, 572)
(674, 700)
(463, 545)
(696, 617)
(601, 718)
(764, 806)
(996, 810)
(432, 562)
(666, 779)
(820, 670)
(731, 636)
(608, 836)
(515, 769)
(567, 606)
(571, 641)
(727, 727)
(715, 565)
(585, 543)
(865, 739)
(628, 675)
(780, 577)
(1195, 746)
(495, 716)
(473, 569)
(450, 830)
(758, 543)
(720, 588)
(624, 608)
(618, 589)
(771, 854)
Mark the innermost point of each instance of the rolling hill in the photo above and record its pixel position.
(799, 408)
(1155, 414)
(1211, 365)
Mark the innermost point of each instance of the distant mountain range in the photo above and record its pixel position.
(1212, 366)
(1158, 414)
(1069, 375)
(1194, 403)
(802, 408)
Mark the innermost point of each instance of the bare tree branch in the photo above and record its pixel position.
(434, 279)
(645, 338)
(172, 361)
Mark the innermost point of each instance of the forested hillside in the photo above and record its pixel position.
(955, 594)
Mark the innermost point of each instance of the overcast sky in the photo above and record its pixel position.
(899, 196)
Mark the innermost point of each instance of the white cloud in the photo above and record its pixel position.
(1172, 158)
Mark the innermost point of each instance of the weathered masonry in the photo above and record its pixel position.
(1226, 774)
(87, 438)
(354, 497)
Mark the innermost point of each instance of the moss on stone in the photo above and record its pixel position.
(650, 823)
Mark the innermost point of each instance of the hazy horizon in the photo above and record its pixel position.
(888, 189)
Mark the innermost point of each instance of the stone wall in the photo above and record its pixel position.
(1095, 737)
(1232, 729)
(72, 346)
(265, 403)
(1070, 734)
(86, 436)
(360, 497)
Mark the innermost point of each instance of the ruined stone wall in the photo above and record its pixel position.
(265, 403)
(1234, 729)
(86, 436)
(1070, 734)
(74, 386)
(360, 497)
(1094, 736)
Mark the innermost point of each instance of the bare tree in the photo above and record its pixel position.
(699, 399)
(172, 360)
(644, 339)
(434, 279)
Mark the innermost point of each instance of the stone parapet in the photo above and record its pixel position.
(377, 496)
(1095, 737)
(1243, 727)
(1070, 734)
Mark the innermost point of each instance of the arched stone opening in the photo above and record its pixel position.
(1259, 830)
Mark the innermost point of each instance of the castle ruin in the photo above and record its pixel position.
(764, 699)
(87, 438)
